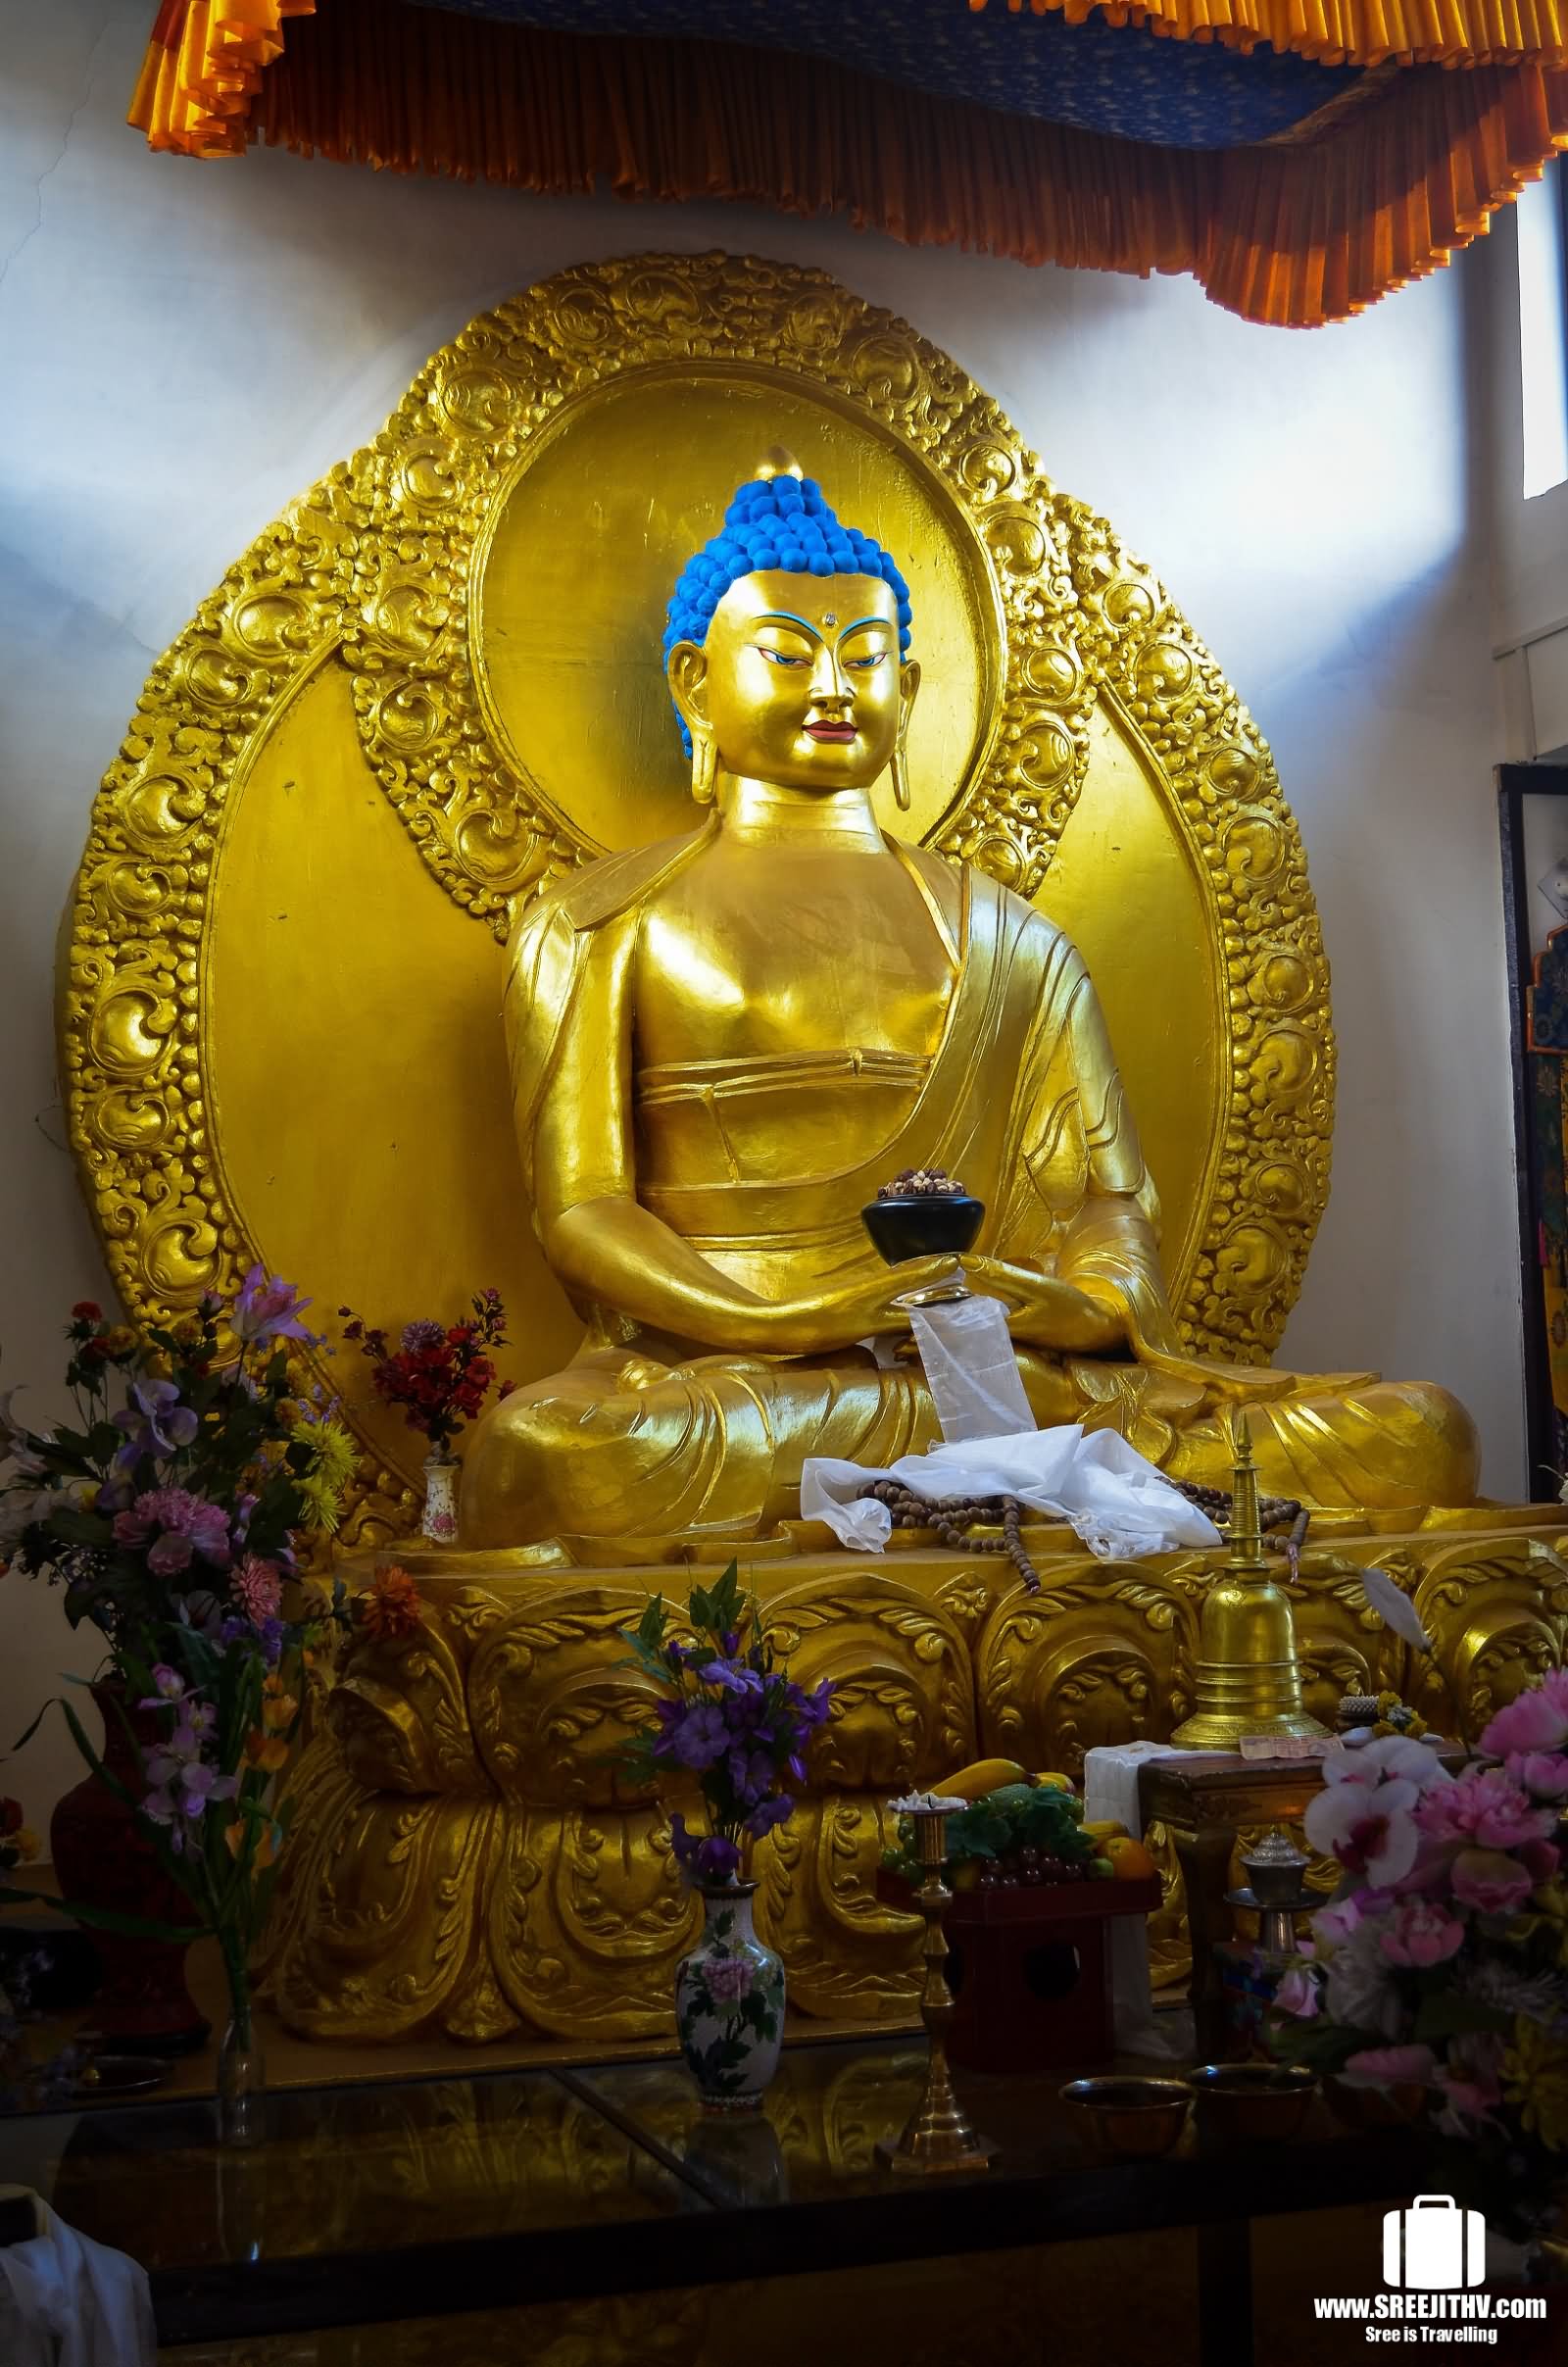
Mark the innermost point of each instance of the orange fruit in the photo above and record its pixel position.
(1130, 1861)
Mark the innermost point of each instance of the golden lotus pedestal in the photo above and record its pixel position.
(467, 1860)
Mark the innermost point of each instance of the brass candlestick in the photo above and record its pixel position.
(937, 2136)
(1249, 1680)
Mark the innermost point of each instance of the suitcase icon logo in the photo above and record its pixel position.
(1434, 2246)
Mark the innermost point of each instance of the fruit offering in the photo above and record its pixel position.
(1020, 1830)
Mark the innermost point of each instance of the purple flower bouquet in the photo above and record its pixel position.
(728, 1714)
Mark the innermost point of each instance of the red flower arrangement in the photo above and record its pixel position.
(439, 1373)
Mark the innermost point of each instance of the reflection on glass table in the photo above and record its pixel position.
(371, 2167)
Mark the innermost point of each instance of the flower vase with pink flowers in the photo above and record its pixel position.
(1440, 1964)
(170, 1514)
(731, 1724)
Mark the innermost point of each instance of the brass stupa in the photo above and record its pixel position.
(1249, 1679)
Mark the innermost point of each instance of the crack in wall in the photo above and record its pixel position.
(75, 117)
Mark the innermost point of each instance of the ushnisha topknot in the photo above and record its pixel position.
(779, 520)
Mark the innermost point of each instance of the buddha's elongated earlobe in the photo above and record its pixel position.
(705, 766)
(898, 762)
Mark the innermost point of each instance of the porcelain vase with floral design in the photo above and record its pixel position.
(729, 2003)
(440, 1520)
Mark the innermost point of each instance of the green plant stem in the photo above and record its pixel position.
(236, 1965)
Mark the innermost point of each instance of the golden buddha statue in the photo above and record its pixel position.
(721, 1045)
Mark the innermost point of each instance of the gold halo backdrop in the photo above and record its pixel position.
(434, 684)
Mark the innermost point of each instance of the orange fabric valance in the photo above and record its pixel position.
(203, 68)
(1376, 189)
(1361, 32)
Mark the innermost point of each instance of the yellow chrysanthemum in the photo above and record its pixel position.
(1550, 1904)
(1535, 2073)
(332, 1450)
(324, 1504)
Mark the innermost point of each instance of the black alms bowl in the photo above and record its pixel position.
(927, 1225)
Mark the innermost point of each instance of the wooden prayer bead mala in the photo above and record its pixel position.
(1274, 1512)
(953, 1517)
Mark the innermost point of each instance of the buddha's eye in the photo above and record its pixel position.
(864, 665)
(783, 657)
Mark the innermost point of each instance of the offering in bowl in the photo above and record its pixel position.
(1252, 2103)
(924, 1214)
(1131, 2118)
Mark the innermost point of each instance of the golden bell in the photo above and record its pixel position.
(1247, 1678)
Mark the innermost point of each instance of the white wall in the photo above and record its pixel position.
(183, 347)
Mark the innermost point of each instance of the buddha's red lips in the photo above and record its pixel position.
(832, 731)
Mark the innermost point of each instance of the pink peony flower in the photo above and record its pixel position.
(257, 1589)
(1542, 1858)
(190, 1525)
(729, 1979)
(1419, 1933)
(1333, 1925)
(1490, 1882)
(1392, 2067)
(1485, 1807)
(1368, 1827)
(1537, 1720)
(1544, 1774)
(1298, 1994)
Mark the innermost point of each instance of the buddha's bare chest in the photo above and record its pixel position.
(771, 953)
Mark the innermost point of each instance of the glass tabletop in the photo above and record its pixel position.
(388, 2200)
(364, 2169)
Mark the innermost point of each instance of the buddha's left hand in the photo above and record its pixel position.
(1046, 1312)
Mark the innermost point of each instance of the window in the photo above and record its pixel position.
(1543, 331)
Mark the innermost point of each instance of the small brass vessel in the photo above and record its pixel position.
(1131, 2118)
(1247, 1677)
(1252, 2103)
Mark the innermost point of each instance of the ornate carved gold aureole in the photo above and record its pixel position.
(434, 684)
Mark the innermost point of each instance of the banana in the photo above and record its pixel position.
(978, 1782)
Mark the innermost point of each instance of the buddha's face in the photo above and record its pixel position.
(799, 680)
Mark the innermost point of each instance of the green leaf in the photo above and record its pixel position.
(1447, 2014)
(77, 1527)
(103, 1918)
(649, 1630)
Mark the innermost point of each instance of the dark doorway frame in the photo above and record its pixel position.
(1515, 784)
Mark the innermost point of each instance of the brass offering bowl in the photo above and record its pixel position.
(1132, 2118)
(1252, 2103)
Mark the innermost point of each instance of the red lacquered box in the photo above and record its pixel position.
(1030, 1969)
